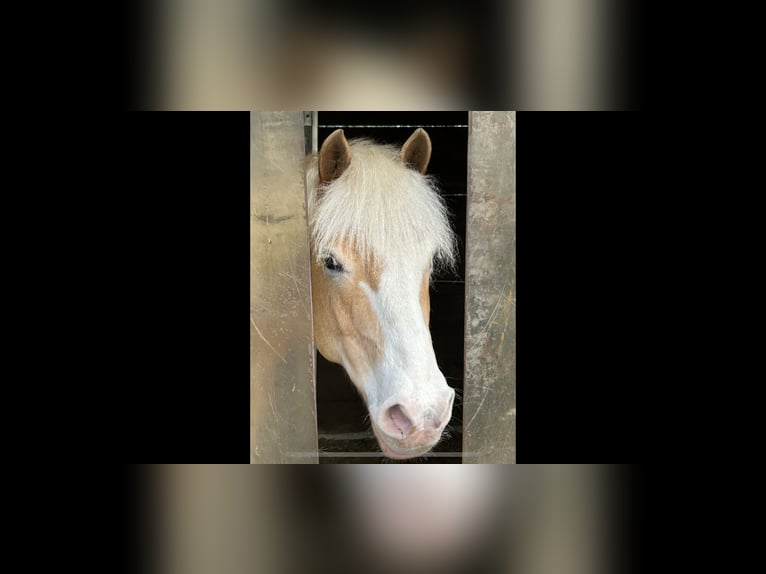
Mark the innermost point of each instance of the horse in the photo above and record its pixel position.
(378, 230)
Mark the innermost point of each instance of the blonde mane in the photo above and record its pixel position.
(387, 210)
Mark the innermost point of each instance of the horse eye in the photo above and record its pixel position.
(332, 264)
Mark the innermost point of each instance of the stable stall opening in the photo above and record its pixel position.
(344, 431)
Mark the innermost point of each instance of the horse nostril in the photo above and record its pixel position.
(396, 420)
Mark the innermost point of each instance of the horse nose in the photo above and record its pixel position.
(446, 414)
(398, 419)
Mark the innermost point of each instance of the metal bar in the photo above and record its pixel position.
(355, 454)
(393, 126)
(282, 355)
(314, 132)
(489, 399)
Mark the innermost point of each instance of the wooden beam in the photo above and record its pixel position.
(282, 356)
(489, 397)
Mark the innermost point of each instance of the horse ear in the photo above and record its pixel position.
(416, 151)
(334, 157)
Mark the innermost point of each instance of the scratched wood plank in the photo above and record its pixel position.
(282, 357)
(489, 396)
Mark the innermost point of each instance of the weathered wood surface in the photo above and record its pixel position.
(282, 357)
(489, 400)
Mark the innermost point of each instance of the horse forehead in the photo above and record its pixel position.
(372, 271)
(385, 272)
(393, 277)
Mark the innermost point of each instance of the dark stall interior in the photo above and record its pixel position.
(345, 435)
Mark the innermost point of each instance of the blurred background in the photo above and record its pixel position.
(340, 54)
(477, 519)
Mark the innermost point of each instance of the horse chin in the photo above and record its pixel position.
(398, 453)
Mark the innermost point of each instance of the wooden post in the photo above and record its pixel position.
(282, 356)
(489, 398)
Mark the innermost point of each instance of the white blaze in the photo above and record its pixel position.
(408, 373)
